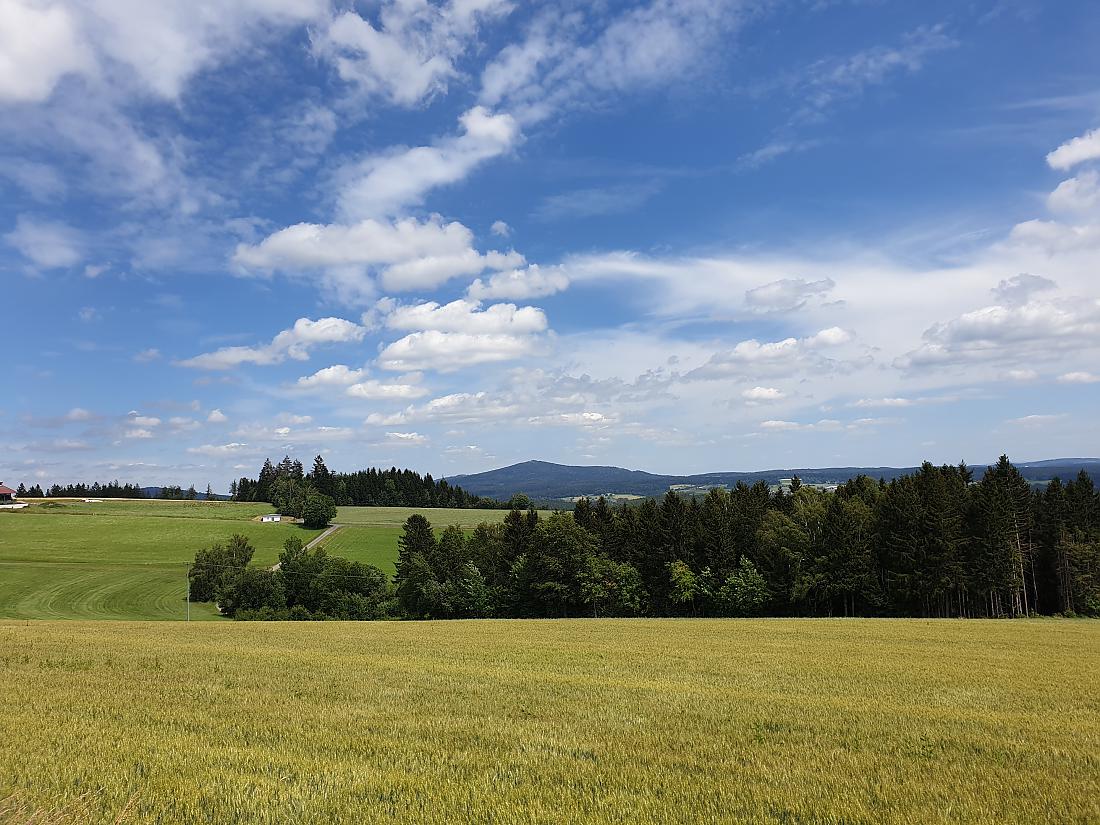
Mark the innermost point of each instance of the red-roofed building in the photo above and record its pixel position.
(7, 494)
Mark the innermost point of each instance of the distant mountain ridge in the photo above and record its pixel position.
(546, 480)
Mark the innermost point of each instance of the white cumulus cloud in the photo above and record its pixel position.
(468, 316)
(406, 438)
(294, 343)
(218, 450)
(1075, 151)
(1077, 194)
(450, 351)
(406, 255)
(454, 409)
(1079, 377)
(381, 390)
(338, 375)
(763, 394)
(520, 284)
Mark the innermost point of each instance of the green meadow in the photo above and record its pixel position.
(119, 559)
(33, 590)
(586, 721)
(375, 545)
(127, 559)
(395, 516)
(370, 534)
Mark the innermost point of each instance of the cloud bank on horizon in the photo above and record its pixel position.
(680, 235)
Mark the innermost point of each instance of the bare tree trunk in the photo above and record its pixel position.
(1064, 578)
(1034, 584)
(1020, 556)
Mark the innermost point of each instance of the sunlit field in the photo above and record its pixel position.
(127, 559)
(439, 517)
(370, 534)
(119, 559)
(373, 544)
(675, 721)
(136, 532)
(32, 590)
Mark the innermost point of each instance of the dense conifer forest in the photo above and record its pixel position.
(110, 489)
(365, 488)
(937, 543)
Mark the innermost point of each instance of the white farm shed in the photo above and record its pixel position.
(271, 517)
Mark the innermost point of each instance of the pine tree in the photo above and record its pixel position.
(718, 549)
(321, 477)
(846, 566)
(584, 516)
(1005, 538)
(416, 537)
(265, 483)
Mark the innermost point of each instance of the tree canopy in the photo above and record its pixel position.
(937, 543)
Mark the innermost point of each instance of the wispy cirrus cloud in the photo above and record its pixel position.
(410, 54)
(46, 244)
(595, 201)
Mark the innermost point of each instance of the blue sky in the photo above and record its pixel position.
(671, 235)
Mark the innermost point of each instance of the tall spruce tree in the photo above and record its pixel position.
(414, 579)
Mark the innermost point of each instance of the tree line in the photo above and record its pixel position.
(305, 585)
(937, 543)
(365, 488)
(110, 489)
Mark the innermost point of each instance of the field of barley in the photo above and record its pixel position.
(598, 721)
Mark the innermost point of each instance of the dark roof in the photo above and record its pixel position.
(6, 490)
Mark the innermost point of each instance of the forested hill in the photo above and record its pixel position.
(545, 480)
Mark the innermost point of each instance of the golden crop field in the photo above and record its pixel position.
(579, 721)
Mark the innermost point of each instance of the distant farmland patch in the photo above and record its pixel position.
(395, 516)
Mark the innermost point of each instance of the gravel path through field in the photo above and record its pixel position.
(332, 529)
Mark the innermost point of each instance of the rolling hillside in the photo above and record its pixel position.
(545, 480)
